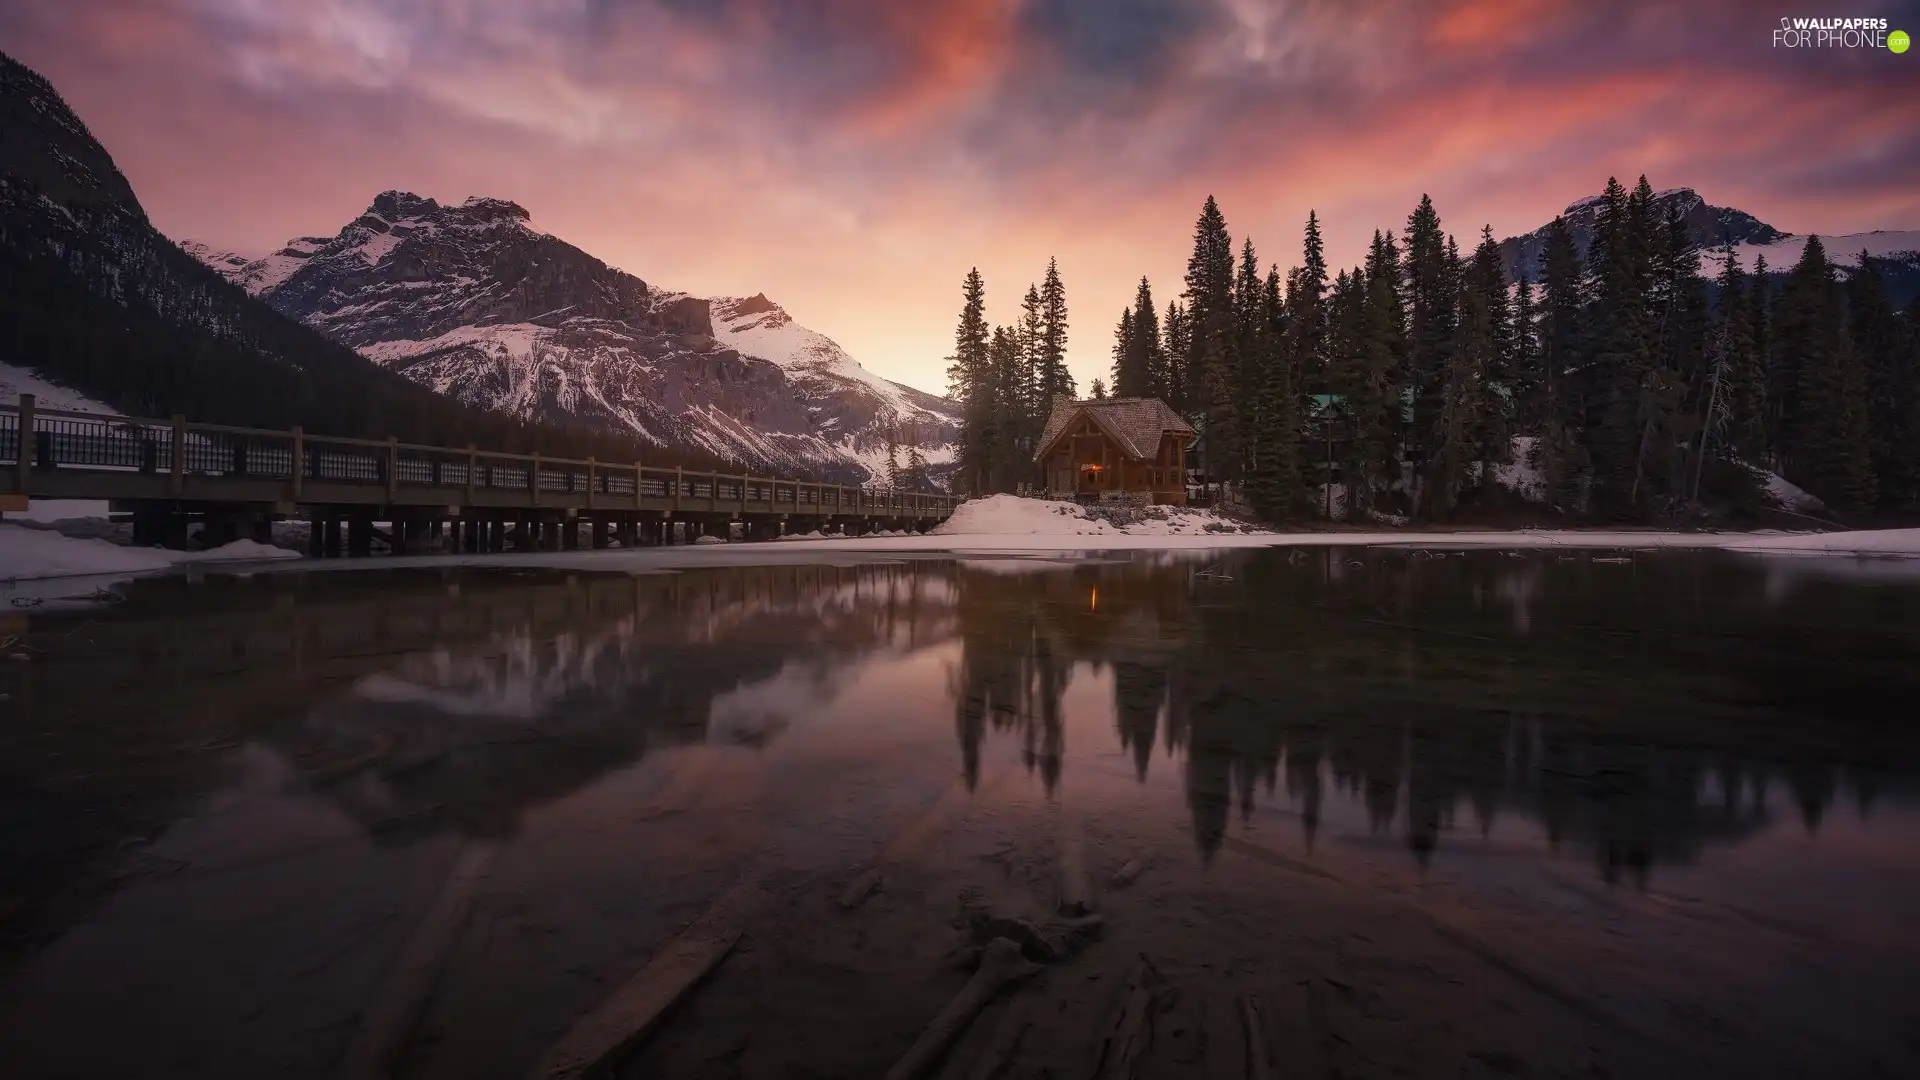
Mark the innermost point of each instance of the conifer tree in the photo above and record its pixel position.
(1619, 381)
(1826, 421)
(1273, 432)
(1498, 390)
(1146, 361)
(1033, 403)
(1882, 346)
(1125, 355)
(1731, 417)
(1210, 381)
(1463, 415)
(1099, 391)
(1177, 344)
(1055, 379)
(1527, 375)
(969, 382)
(1374, 402)
(1308, 312)
(1006, 454)
(1765, 445)
(1430, 298)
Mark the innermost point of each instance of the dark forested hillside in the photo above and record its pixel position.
(92, 296)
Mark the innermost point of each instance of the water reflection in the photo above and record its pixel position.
(1637, 709)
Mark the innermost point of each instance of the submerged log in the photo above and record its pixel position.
(602, 1037)
(1130, 1028)
(380, 1042)
(1000, 966)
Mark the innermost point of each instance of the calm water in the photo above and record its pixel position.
(1686, 783)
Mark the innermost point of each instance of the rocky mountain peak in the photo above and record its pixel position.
(468, 299)
(46, 151)
(1710, 226)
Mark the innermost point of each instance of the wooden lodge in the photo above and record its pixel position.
(1119, 448)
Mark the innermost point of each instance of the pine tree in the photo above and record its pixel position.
(1765, 445)
(1487, 273)
(1883, 347)
(1308, 313)
(1373, 394)
(1618, 382)
(893, 459)
(1055, 379)
(1177, 344)
(1463, 415)
(1273, 427)
(1147, 361)
(1731, 416)
(1033, 402)
(1825, 423)
(1430, 298)
(1211, 383)
(1527, 373)
(916, 467)
(1099, 390)
(1006, 455)
(1125, 355)
(969, 382)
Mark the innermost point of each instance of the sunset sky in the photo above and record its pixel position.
(852, 159)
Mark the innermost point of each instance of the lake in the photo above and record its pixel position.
(1346, 811)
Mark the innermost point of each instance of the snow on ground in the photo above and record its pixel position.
(47, 511)
(1843, 250)
(1013, 515)
(43, 553)
(1522, 475)
(15, 381)
(1790, 496)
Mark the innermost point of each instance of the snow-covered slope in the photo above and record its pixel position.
(1896, 252)
(850, 406)
(474, 302)
(15, 381)
(1842, 250)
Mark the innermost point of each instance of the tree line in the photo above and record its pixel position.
(1632, 381)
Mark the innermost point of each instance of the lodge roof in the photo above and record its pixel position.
(1134, 424)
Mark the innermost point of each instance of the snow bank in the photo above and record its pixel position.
(42, 553)
(1861, 542)
(15, 381)
(48, 511)
(1013, 515)
(1522, 475)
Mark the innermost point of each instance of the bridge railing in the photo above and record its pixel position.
(32, 438)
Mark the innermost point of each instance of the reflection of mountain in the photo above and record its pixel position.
(414, 702)
(1574, 694)
(472, 735)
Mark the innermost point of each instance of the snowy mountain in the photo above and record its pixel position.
(472, 301)
(94, 300)
(1896, 252)
(1710, 226)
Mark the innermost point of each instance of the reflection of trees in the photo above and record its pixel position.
(1618, 706)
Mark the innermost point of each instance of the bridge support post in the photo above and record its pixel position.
(23, 466)
(316, 536)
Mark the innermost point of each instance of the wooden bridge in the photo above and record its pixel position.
(166, 475)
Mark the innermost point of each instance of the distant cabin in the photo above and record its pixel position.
(1115, 447)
